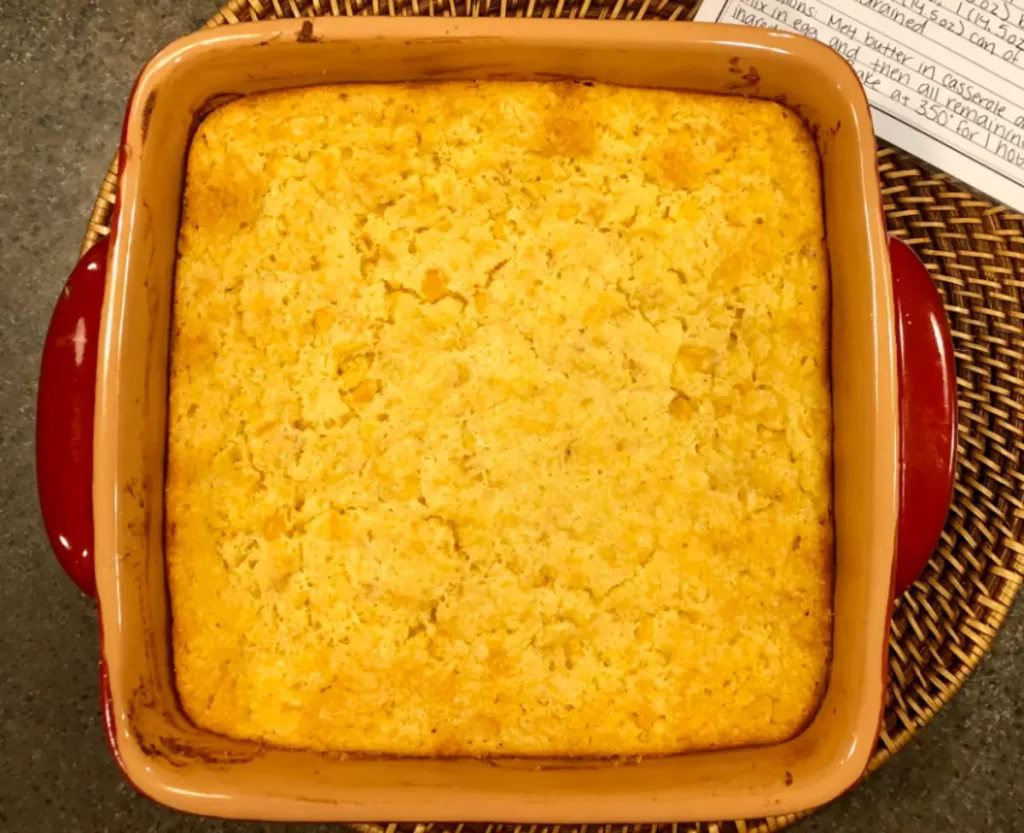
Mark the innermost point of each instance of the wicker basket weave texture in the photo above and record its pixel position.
(974, 251)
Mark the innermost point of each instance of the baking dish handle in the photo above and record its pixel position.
(928, 418)
(64, 417)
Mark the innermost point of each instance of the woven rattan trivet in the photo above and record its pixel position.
(974, 250)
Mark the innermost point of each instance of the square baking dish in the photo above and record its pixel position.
(111, 538)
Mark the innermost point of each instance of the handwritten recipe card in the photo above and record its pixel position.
(945, 78)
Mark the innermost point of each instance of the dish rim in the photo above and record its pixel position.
(106, 484)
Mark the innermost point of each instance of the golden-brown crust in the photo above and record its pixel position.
(500, 422)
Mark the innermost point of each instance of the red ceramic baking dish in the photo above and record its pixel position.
(102, 415)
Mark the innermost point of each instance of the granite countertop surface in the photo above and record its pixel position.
(66, 68)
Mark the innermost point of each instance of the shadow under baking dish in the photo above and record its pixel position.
(168, 758)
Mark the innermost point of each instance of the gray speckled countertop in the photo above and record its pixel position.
(66, 68)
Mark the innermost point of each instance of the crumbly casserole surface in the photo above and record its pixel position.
(500, 421)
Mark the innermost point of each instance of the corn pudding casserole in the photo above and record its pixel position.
(500, 421)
